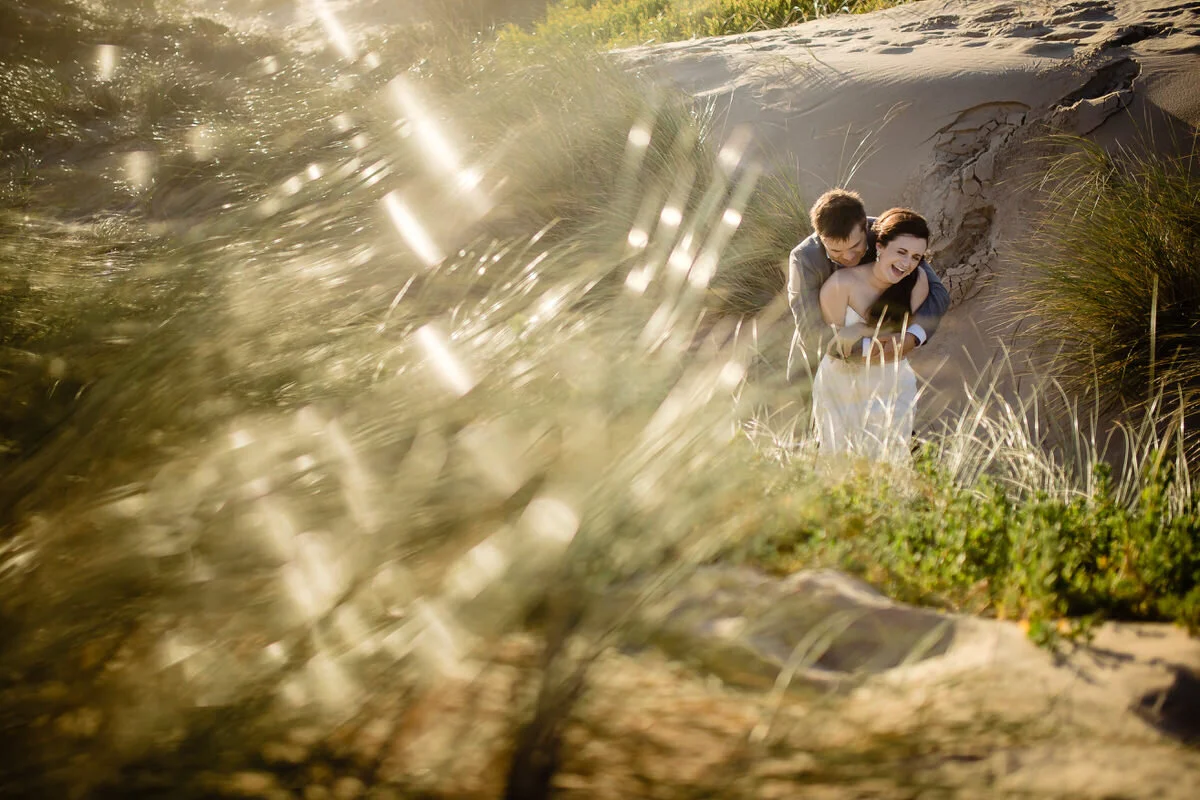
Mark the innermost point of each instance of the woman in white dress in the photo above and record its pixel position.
(864, 406)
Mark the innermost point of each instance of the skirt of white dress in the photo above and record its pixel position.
(864, 409)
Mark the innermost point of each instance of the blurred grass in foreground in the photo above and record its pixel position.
(356, 365)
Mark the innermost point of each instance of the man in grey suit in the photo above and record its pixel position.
(842, 237)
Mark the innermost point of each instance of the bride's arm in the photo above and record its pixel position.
(835, 297)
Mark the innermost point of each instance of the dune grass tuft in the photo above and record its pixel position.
(1114, 277)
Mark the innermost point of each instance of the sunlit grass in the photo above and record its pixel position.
(1113, 277)
(626, 23)
(281, 417)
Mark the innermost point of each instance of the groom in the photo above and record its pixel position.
(842, 237)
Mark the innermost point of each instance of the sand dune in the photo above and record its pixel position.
(940, 105)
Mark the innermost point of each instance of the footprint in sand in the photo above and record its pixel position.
(1024, 29)
(1173, 11)
(893, 50)
(997, 14)
(843, 35)
(939, 22)
(1132, 34)
(1062, 36)
(1050, 49)
(1088, 10)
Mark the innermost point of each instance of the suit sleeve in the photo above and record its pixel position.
(806, 274)
(930, 314)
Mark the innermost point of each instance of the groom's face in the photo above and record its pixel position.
(847, 252)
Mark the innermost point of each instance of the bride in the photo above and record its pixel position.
(865, 406)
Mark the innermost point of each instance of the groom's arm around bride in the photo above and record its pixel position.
(842, 237)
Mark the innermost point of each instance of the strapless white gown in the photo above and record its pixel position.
(864, 409)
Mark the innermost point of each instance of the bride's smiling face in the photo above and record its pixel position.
(899, 257)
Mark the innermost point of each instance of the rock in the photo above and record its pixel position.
(827, 627)
(985, 167)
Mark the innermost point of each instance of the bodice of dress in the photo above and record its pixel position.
(864, 408)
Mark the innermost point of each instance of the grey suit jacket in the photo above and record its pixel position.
(808, 268)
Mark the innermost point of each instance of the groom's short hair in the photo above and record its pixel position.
(837, 214)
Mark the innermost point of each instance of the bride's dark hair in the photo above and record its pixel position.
(895, 303)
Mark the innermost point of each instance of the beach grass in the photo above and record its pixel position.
(626, 23)
(1113, 277)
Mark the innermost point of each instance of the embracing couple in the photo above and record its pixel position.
(864, 297)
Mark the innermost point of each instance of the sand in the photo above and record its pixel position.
(940, 106)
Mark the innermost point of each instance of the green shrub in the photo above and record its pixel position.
(979, 549)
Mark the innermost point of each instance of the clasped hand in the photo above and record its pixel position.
(888, 348)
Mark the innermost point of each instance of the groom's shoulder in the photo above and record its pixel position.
(809, 250)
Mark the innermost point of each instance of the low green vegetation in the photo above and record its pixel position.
(626, 23)
(1059, 563)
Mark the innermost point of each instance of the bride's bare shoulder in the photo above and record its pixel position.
(837, 284)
